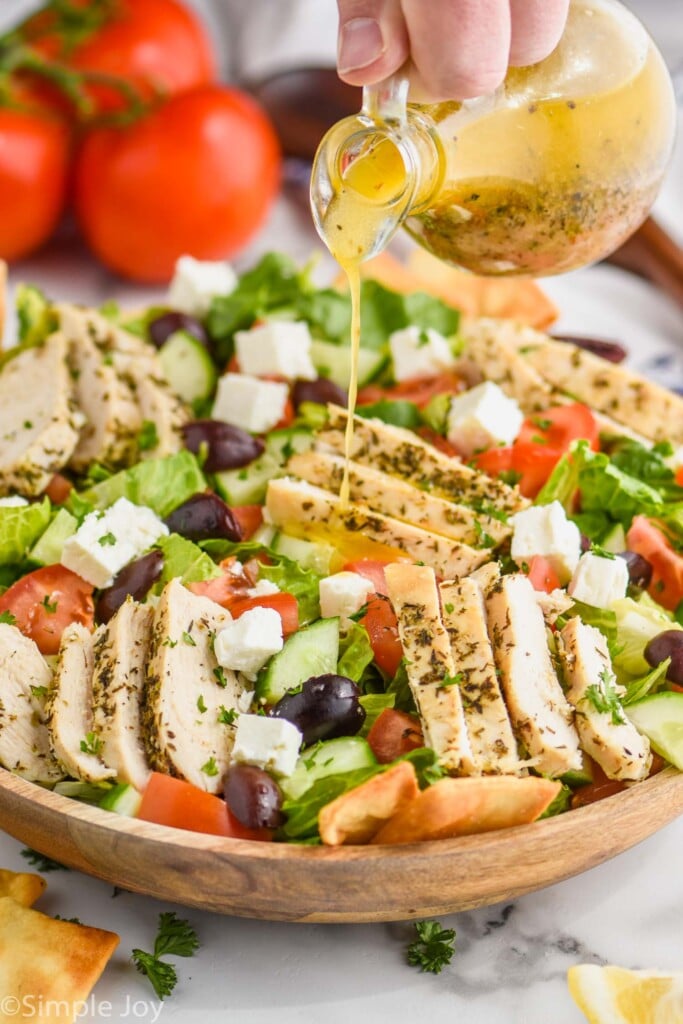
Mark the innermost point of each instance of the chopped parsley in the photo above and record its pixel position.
(484, 539)
(210, 768)
(605, 699)
(169, 643)
(433, 948)
(49, 606)
(201, 706)
(175, 937)
(189, 639)
(39, 691)
(92, 744)
(227, 716)
(449, 608)
(220, 676)
(41, 862)
(148, 437)
(107, 540)
(8, 619)
(452, 680)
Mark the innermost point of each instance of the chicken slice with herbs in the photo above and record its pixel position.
(121, 651)
(25, 680)
(189, 701)
(69, 709)
(494, 747)
(39, 423)
(540, 714)
(604, 729)
(414, 595)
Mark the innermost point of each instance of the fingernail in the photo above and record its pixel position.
(360, 44)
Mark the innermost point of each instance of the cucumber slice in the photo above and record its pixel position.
(122, 799)
(334, 363)
(345, 754)
(247, 486)
(660, 718)
(282, 444)
(265, 534)
(312, 651)
(615, 541)
(48, 548)
(87, 792)
(308, 554)
(188, 367)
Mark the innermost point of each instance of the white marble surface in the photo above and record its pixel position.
(511, 960)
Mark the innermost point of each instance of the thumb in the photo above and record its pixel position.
(373, 40)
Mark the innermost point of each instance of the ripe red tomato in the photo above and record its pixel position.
(179, 804)
(380, 622)
(542, 576)
(372, 569)
(155, 45)
(393, 734)
(46, 601)
(34, 165)
(197, 175)
(286, 605)
(667, 565)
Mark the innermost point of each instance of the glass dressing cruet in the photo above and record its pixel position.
(551, 172)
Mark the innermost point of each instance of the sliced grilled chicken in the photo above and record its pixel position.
(494, 747)
(24, 684)
(401, 453)
(296, 505)
(69, 709)
(113, 418)
(38, 421)
(121, 650)
(429, 665)
(492, 351)
(607, 735)
(186, 691)
(485, 576)
(398, 498)
(540, 714)
(616, 391)
(138, 365)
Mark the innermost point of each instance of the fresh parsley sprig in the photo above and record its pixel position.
(175, 937)
(434, 947)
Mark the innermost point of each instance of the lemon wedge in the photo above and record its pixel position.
(615, 995)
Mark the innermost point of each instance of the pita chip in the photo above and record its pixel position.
(21, 887)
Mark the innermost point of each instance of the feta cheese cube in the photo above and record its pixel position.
(263, 588)
(599, 581)
(196, 282)
(13, 501)
(343, 594)
(278, 347)
(483, 417)
(245, 644)
(106, 541)
(419, 353)
(270, 743)
(247, 402)
(545, 530)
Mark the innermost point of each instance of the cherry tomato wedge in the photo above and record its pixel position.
(542, 576)
(559, 426)
(46, 601)
(393, 734)
(494, 461)
(645, 539)
(533, 463)
(58, 489)
(442, 444)
(225, 589)
(286, 605)
(380, 622)
(679, 476)
(174, 802)
(371, 569)
(249, 518)
(419, 390)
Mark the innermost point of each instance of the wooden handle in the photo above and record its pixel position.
(653, 254)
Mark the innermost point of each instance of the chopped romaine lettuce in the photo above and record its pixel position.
(20, 528)
(184, 559)
(159, 484)
(649, 683)
(398, 413)
(355, 653)
(374, 704)
(637, 622)
(35, 314)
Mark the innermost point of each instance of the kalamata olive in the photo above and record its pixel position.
(136, 579)
(203, 517)
(253, 797)
(610, 350)
(639, 569)
(162, 327)
(668, 644)
(321, 391)
(586, 543)
(226, 446)
(325, 707)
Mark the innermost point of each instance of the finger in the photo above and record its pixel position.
(460, 47)
(373, 40)
(537, 26)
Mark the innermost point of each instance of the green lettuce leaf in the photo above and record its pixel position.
(20, 528)
(355, 653)
(560, 804)
(637, 622)
(649, 683)
(159, 484)
(398, 413)
(184, 559)
(603, 619)
(374, 704)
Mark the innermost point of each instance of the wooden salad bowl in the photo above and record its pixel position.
(280, 882)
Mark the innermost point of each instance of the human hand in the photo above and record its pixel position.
(460, 48)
